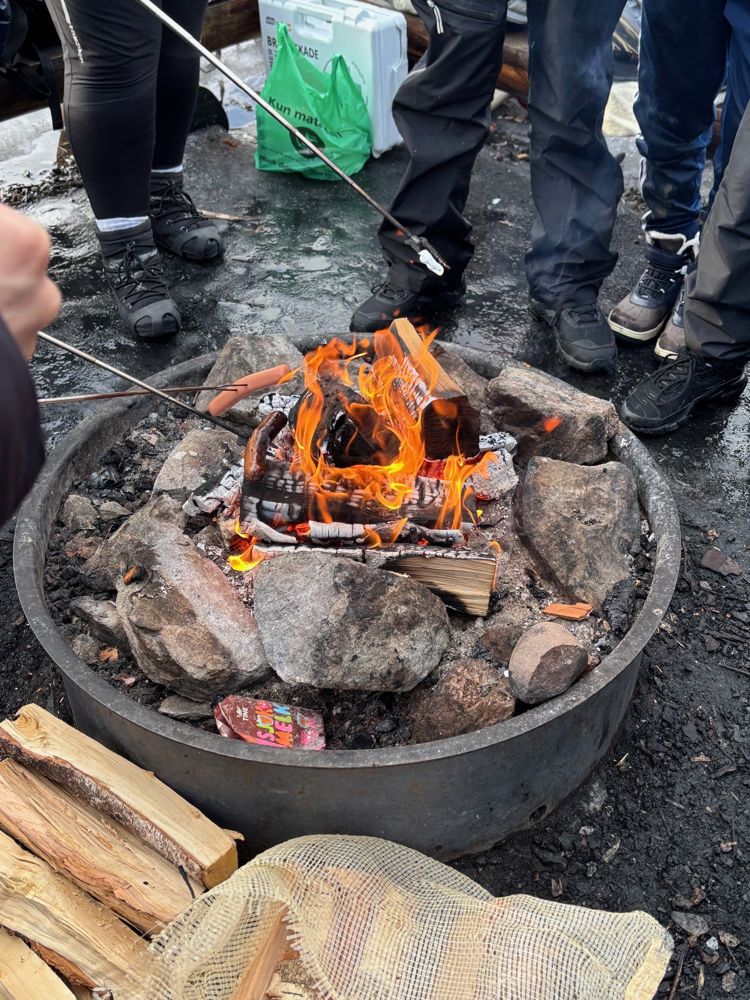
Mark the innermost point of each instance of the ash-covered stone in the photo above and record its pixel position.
(546, 660)
(242, 356)
(133, 540)
(498, 643)
(470, 695)
(200, 459)
(185, 710)
(103, 621)
(86, 647)
(335, 623)
(549, 417)
(581, 524)
(78, 513)
(110, 510)
(186, 626)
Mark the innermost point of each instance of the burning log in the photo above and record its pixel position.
(450, 424)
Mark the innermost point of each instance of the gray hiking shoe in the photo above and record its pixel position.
(133, 269)
(641, 315)
(671, 341)
(177, 224)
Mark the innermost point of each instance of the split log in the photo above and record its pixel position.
(450, 424)
(283, 497)
(100, 855)
(134, 797)
(74, 934)
(24, 976)
(257, 977)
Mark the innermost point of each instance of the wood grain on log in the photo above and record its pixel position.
(136, 798)
(24, 976)
(79, 937)
(100, 855)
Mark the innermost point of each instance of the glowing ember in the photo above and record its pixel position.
(551, 424)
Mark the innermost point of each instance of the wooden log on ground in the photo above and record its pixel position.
(100, 855)
(134, 797)
(227, 23)
(74, 934)
(514, 74)
(24, 976)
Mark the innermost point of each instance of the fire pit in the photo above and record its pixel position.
(447, 797)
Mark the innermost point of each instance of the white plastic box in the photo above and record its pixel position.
(371, 39)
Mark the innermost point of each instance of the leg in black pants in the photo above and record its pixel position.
(130, 91)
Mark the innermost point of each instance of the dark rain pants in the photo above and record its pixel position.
(717, 307)
(687, 50)
(130, 92)
(442, 111)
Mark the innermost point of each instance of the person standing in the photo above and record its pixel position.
(687, 51)
(443, 113)
(711, 370)
(130, 92)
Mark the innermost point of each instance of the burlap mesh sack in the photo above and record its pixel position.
(375, 921)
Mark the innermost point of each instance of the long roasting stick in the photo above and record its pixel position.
(427, 254)
(136, 381)
(90, 397)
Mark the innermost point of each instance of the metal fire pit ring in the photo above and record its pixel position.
(447, 798)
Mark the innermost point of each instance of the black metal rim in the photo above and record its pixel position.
(30, 549)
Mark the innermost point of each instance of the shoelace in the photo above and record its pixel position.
(387, 291)
(674, 371)
(175, 203)
(656, 280)
(588, 313)
(139, 280)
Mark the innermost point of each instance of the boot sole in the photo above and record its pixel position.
(639, 336)
(727, 394)
(660, 352)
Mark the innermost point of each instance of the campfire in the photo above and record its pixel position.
(382, 452)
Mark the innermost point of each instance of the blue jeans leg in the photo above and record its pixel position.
(575, 181)
(682, 65)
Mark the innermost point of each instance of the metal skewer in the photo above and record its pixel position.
(90, 397)
(152, 390)
(427, 254)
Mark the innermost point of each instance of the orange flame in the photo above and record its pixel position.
(551, 424)
(243, 556)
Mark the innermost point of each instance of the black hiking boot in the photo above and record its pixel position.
(177, 224)
(389, 302)
(583, 337)
(664, 401)
(642, 314)
(133, 269)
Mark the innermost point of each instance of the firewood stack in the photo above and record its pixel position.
(96, 856)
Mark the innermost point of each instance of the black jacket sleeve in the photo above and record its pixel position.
(21, 448)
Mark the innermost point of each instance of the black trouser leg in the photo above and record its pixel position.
(717, 307)
(443, 113)
(576, 182)
(112, 56)
(177, 82)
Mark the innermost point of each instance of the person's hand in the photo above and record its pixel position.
(28, 299)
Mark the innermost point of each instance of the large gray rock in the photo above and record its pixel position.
(78, 513)
(581, 525)
(186, 626)
(102, 619)
(132, 541)
(243, 355)
(469, 695)
(546, 660)
(199, 460)
(335, 623)
(549, 417)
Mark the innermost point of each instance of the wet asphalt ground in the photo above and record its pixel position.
(651, 827)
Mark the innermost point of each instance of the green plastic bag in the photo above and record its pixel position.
(328, 108)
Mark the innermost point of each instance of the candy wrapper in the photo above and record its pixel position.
(268, 724)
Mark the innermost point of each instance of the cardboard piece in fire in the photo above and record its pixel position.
(340, 425)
